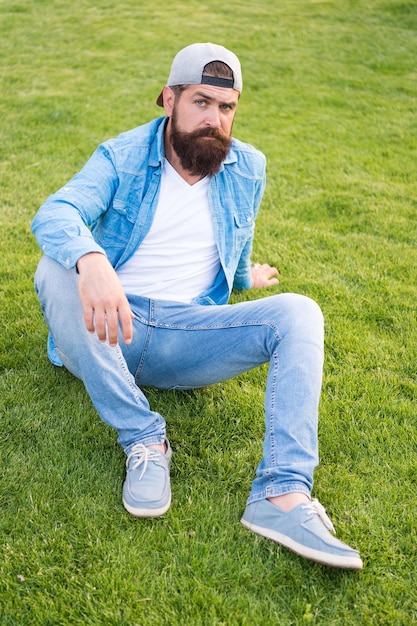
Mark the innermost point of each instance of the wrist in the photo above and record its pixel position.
(87, 259)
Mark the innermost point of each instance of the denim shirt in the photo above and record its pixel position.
(109, 206)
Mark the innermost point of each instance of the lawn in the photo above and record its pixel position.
(330, 97)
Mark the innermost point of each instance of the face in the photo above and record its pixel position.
(200, 126)
(202, 106)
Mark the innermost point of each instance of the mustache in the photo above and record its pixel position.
(210, 132)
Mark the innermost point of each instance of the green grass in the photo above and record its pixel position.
(330, 97)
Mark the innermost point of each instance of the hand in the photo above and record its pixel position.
(263, 275)
(103, 299)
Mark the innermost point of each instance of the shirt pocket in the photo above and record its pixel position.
(243, 227)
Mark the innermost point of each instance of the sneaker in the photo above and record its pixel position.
(146, 490)
(304, 530)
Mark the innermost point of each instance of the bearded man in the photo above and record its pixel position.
(142, 249)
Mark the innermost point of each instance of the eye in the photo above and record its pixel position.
(200, 103)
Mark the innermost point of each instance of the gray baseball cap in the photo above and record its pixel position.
(188, 65)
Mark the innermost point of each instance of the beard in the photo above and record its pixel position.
(199, 156)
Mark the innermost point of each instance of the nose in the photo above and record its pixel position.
(213, 117)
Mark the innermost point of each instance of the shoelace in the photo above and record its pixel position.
(142, 455)
(315, 507)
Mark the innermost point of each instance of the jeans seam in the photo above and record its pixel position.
(272, 406)
(144, 353)
(127, 373)
(149, 324)
(219, 326)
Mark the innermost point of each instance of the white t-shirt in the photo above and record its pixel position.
(178, 259)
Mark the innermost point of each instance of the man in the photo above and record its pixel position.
(141, 251)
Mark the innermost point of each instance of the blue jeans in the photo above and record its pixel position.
(185, 346)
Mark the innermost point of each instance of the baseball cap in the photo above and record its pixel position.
(188, 65)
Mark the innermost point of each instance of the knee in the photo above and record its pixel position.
(304, 314)
(52, 279)
(308, 308)
(57, 291)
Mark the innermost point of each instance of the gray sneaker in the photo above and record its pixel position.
(146, 490)
(304, 530)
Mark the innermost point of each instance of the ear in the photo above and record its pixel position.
(169, 99)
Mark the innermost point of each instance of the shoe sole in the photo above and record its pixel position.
(147, 512)
(324, 558)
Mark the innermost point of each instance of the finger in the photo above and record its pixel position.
(272, 271)
(273, 277)
(88, 314)
(112, 323)
(126, 316)
(100, 323)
